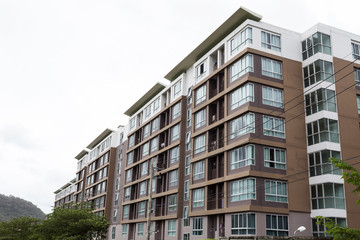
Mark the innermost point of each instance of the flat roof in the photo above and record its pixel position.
(157, 88)
(240, 16)
(81, 154)
(99, 138)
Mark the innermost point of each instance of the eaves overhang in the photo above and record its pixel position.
(240, 16)
(81, 154)
(99, 138)
(157, 88)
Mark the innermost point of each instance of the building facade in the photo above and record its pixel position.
(240, 139)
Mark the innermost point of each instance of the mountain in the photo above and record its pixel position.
(13, 207)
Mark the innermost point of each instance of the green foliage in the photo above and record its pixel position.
(77, 223)
(350, 175)
(14, 207)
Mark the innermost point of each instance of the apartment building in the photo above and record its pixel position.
(239, 139)
(64, 195)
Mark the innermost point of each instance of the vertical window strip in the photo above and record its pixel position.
(317, 71)
(319, 100)
(242, 38)
(242, 95)
(318, 42)
(242, 66)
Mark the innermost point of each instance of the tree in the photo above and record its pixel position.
(352, 176)
(22, 228)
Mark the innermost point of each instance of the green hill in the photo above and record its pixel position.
(13, 207)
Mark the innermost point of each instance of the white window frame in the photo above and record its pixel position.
(244, 37)
(198, 197)
(271, 68)
(147, 130)
(173, 178)
(200, 94)
(189, 118)
(124, 230)
(242, 125)
(241, 96)
(143, 188)
(272, 97)
(172, 202)
(199, 144)
(271, 41)
(142, 206)
(198, 225)
(241, 67)
(243, 189)
(145, 149)
(242, 156)
(177, 89)
(144, 168)
(279, 158)
(274, 127)
(175, 132)
(241, 224)
(201, 70)
(174, 154)
(200, 118)
(187, 165)
(171, 227)
(187, 190)
(199, 170)
(176, 110)
(276, 191)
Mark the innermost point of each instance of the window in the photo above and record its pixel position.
(147, 112)
(175, 132)
(317, 71)
(153, 187)
(155, 125)
(199, 144)
(358, 103)
(116, 202)
(172, 228)
(242, 125)
(145, 149)
(197, 226)
(154, 144)
(322, 130)
(144, 168)
(156, 105)
(142, 208)
(243, 224)
(188, 117)
(274, 158)
(143, 188)
(272, 96)
(177, 89)
(115, 215)
(242, 38)
(321, 99)
(271, 68)
(129, 175)
(242, 156)
(186, 216)
(327, 195)
(127, 193)
(147, 130)
(113, 232)
(186, 236)
(276, 191)
(176, 110)
(242, 95)
(124, 229)
(274, 126)
(188, 141)
(198, 197)
(320, 164)
(200, 118)
(355, 50)
(187, 165)
(172, 202)
(126, 211)
(277, 225)
(319, 230)
(174, 155)
(130, 158)
(242, 66)
(187, 190)
(132, 123)
(357, 76)
(173, 178)
(131, 140)
(243, 189)
(318, 42)
(200, 94)
(189, 96)
(270, 41)
(201, 70)
(140, 231)
(199, 170)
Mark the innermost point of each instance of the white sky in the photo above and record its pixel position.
(69, 69)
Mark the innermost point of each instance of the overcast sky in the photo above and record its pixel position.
(69, 69)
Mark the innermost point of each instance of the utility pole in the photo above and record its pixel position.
(150, 198)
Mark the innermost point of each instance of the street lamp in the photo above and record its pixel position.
(300, 229)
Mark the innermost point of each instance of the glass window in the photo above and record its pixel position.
(127, 193)
(274, 126)
(243, 224)
(186, 216)
(187, 165)
(242, 156)
(198, 197)
(271, 68)
(156, 105)
(154, 144)
(143, 188)
(270, 41)
(199, 144)
(317, 71)
(116, 202)
(322, 130)
(173, 178)
(144, 168)
(145, 149)
(242, 95)
(242, 66)
(140, 231)
(242, 125)
(201, 70)
(188, 117)
(126, 211)
(129, 175)
(358, 103)
(277, 225)
(147, 112)
(320, 163)
(176, 110)
(199, 170)
(200, 118)
(327, 195)
(189, 96)
(175, 132)
(318, 42)
(177, 89)
(124, 229)
(200, 94)
(242, 38)
(174, 155)
(188, 141)
(155, 125)
(319, 230)
(186, 236)
(274, 158)
(243, 189)
(131, 140)
(132, 123)
(172, 228)
(355, 50)
(321, 99)
(357, 76)
(115, 215)
(142, 208)
(187, 190)
(197, 226)
(272, 96)
(147, 130)
(130, 158)
(172, 202)
(276, 191)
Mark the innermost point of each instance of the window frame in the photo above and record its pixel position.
(268, 41)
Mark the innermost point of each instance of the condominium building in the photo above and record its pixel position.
(240, 138)
(64, 195)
